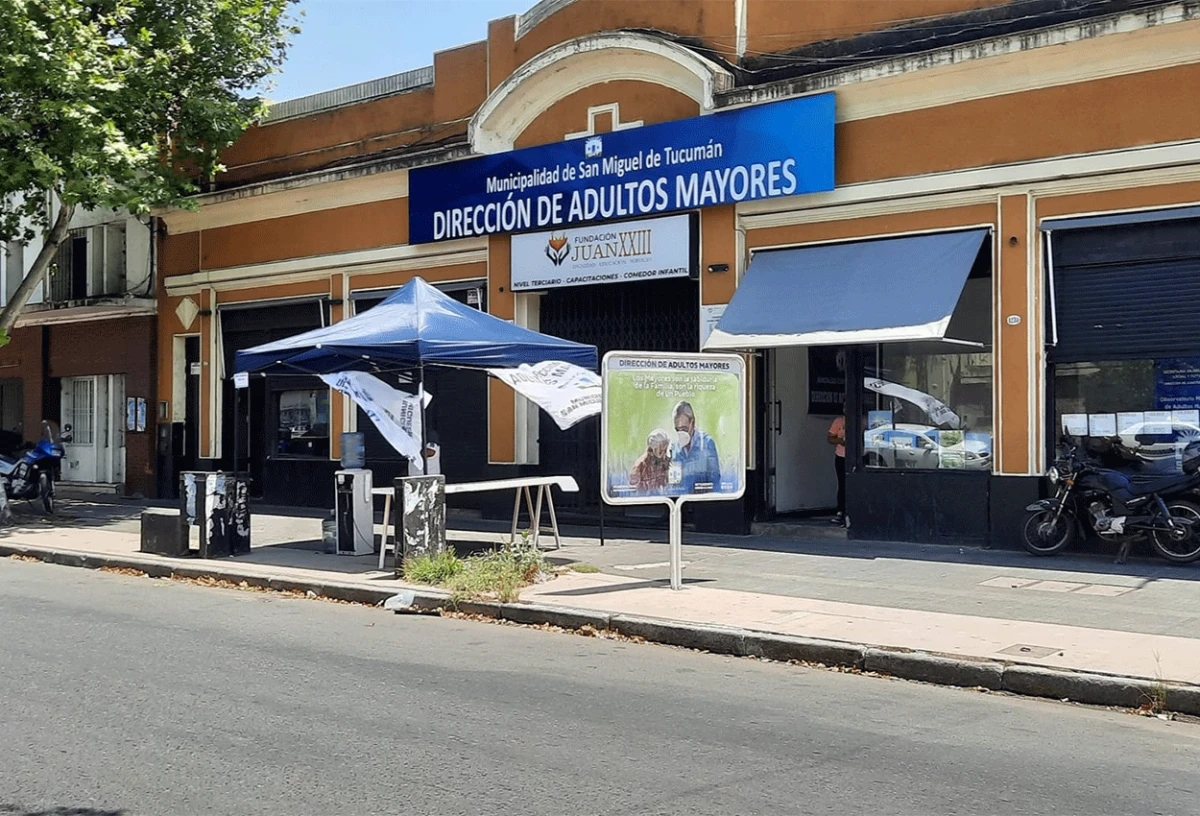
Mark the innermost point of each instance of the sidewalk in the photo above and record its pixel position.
(1080, 613)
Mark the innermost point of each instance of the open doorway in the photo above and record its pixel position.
(806, 389)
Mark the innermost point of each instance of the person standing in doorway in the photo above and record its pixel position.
(837, 438)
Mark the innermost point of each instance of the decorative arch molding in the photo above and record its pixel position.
(585, 61)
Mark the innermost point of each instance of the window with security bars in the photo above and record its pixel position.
(90, 263)
(81, 409)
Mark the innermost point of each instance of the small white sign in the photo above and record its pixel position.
(241, 379)
(709, 317)
(1075, 424)
(1157, 422)
(1186, 417)
(648, 249)
(1102, 424)
(1130, 422)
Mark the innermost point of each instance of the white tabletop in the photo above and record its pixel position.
(567, 484)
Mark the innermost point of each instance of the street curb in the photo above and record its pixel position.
(964, 671)
(157, 567)
(703, 637)
(785, 648)
(565, 617)
(929, 668)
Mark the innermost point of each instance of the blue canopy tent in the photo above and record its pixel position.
(416, 326)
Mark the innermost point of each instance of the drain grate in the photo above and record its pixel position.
(1029, 650)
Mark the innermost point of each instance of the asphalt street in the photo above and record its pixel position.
(123, 695)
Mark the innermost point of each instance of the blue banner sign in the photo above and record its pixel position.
(1177, 383)
(747, 154)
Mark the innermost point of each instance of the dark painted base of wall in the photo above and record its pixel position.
(938, 507)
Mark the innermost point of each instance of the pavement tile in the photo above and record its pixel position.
(1008, 582)
(1054, 586)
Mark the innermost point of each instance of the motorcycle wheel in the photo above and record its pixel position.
(1047, 532)
(1181, 547)
(46, 491)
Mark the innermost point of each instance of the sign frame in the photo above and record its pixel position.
(753, 153)
(687, 223)
(686, 361)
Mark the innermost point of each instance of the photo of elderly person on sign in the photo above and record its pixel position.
(649, 472)
(695, 465)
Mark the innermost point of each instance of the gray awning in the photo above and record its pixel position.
(1121, 219)
(881, 291)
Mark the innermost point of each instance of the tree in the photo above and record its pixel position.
(124, 104)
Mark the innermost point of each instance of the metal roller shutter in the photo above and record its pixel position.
(1127, 291)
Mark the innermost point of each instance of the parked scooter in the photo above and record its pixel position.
(32, 475)
(1107, 502)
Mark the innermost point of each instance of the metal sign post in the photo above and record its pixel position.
(672, 431)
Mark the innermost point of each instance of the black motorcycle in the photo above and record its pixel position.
(1107, 502)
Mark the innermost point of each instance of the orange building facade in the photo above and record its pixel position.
(1018, 120)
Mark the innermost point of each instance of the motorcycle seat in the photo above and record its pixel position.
(1168, 484)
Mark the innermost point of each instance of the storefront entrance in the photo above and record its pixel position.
(805, 390)
(904, 326)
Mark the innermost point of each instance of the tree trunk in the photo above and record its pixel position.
(12, 310)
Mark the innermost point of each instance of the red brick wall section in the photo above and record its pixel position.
(127, 346)
(21, 360)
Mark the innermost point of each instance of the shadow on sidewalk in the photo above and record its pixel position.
(17, 810)
(654, 583)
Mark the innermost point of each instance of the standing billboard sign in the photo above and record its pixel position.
(672, 431)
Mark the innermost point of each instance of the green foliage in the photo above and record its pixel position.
(432, 569)
(125, 103)
(501, 573)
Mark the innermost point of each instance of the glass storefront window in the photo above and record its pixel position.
(1134, 415)
(301, 423)
(928, 406)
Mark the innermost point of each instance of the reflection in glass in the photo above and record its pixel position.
(302, 423)
(1155, 404)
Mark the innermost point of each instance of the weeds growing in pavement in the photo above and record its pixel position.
(501, 573)
(432, 569)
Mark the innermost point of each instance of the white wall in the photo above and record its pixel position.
(804, 476)
(137, 253)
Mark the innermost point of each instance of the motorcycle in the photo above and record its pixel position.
(1106, 501)
(32, 475)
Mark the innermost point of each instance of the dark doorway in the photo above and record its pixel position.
(659, 315)
(79, 268)
(191, 400)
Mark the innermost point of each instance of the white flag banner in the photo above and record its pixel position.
(396, 414)
(566, 392)
(938, 411)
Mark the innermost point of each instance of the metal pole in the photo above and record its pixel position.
(237, 426)
(421, 399)
(676, 522)
(599, 447)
